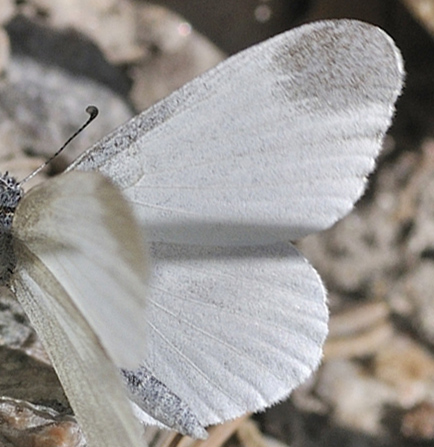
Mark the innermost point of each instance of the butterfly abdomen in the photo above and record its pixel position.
(7, 257)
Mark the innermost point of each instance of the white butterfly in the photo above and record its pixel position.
(273, 144)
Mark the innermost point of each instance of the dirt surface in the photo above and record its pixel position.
(376, 384)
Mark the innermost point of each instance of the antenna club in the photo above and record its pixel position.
(92, 111)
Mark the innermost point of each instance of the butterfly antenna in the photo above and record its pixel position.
(93, 113)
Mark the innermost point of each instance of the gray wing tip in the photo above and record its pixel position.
(358, 27)
(343, 64)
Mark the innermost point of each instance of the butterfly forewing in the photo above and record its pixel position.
(273, 144)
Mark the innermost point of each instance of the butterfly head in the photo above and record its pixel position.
(10, 195)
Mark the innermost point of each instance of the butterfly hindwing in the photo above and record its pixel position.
(80, 278)
(246, 325)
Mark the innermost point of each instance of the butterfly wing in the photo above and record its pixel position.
(79, 278)
(273, 144)
(155, 404)
(233, 329)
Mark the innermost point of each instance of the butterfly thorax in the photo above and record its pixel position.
(10, 195)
